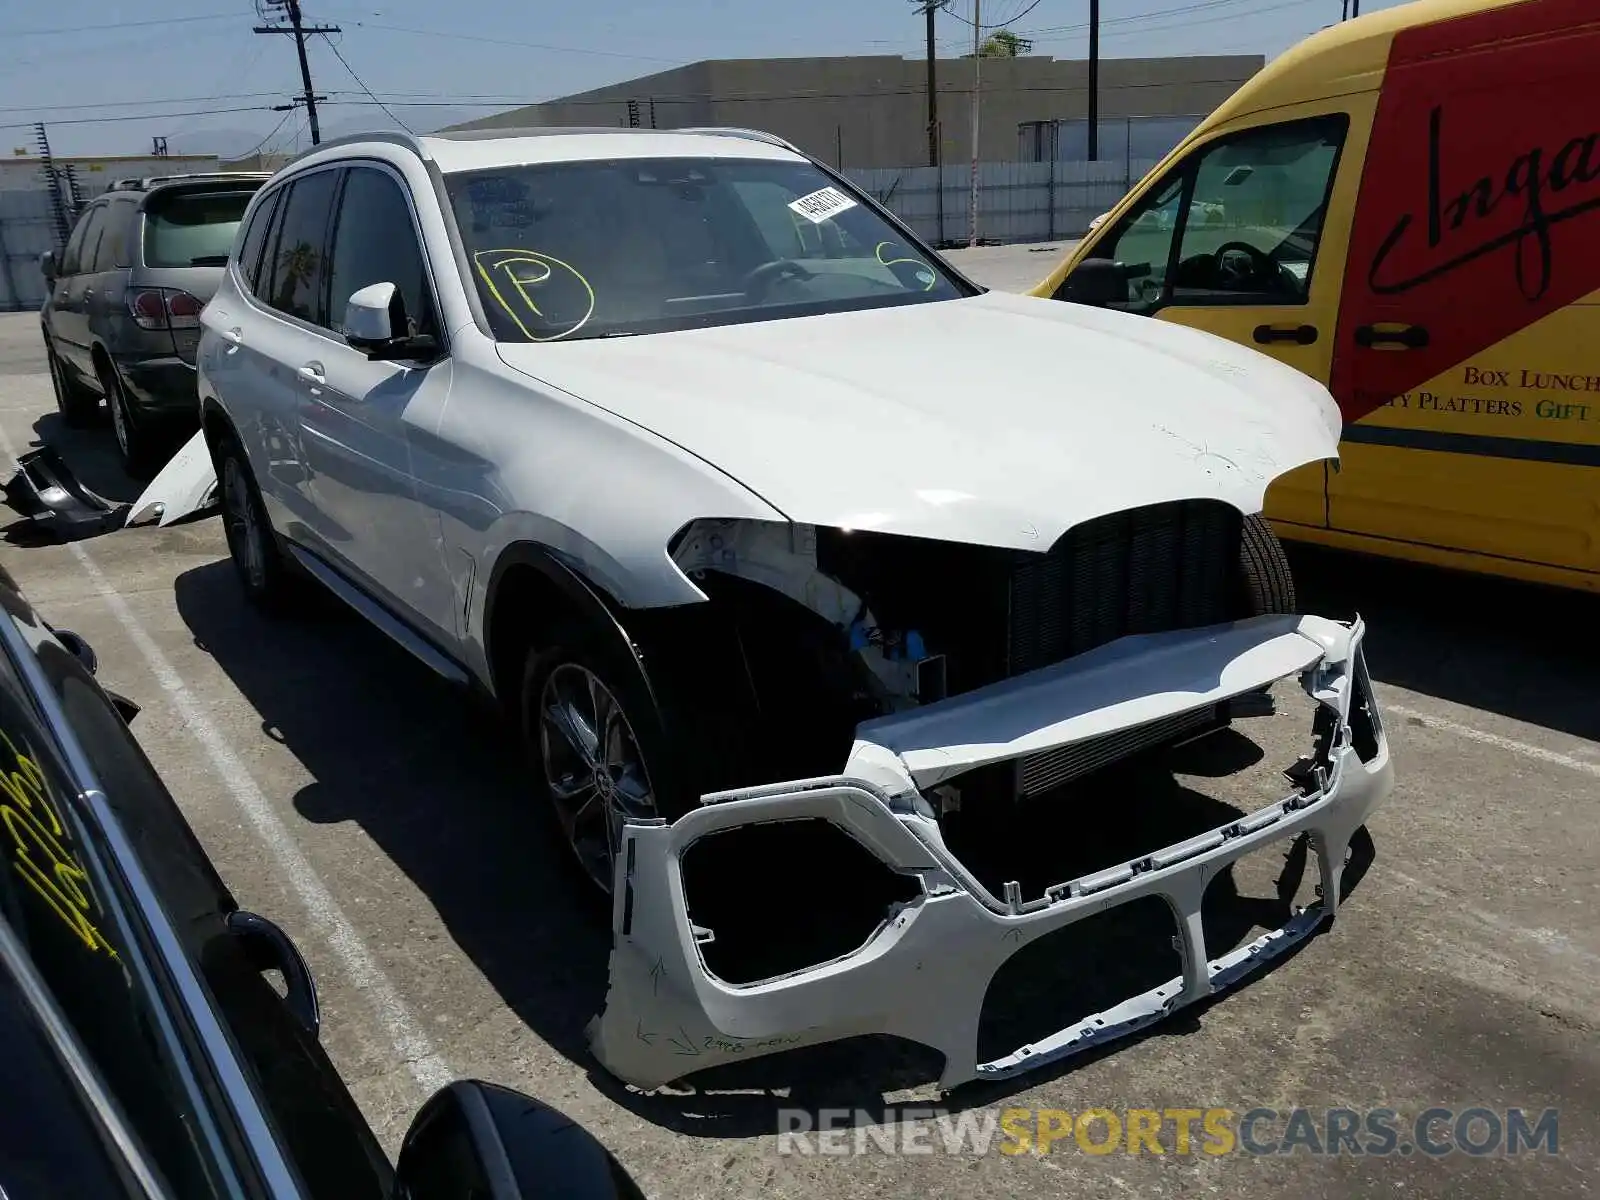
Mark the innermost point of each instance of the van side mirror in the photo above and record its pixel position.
(47, 265)
(1099, 281)
(376, 323)
(476, 1141)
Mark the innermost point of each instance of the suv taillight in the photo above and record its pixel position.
(164, 308)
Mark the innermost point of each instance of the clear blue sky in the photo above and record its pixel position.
(177, 68)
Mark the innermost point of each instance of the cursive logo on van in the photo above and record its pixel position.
(1542, 189)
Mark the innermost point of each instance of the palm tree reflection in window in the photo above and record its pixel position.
(298, 266)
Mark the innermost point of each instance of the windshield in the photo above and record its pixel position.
(192, 229)
(601, 249)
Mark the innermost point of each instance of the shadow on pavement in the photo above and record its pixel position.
(92, 455)
(1526, 652)
(435, 782)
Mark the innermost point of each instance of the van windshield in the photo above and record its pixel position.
(632, 246)
(192, 229)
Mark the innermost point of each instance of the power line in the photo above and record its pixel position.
(364, 87)
(14, 33)
(199, 112)
(282, 121)
(497, 41)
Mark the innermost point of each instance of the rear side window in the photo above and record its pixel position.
(299, 267)
(192, 229)
(255, 237)
(81, 244)
(122, 223)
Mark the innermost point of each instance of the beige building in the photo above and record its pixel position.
(871, 111)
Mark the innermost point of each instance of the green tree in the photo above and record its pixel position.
(1004, 44)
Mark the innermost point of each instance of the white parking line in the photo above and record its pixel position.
(1494, 739)
(404, 1032)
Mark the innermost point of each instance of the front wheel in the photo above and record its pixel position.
(1268, 580)
(592, 735)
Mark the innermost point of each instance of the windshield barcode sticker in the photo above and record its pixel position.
(821, 206)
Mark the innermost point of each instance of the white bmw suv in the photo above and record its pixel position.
(748, 508)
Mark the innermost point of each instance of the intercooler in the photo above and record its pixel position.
(1146, 570)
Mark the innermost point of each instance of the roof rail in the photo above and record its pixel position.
(734, 131)
(135, 184)
(395, 138)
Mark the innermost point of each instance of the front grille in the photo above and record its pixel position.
(1040, 772)
(1146, 570)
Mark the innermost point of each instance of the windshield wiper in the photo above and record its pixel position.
(209, 260)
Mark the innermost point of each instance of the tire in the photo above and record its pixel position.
(137, 445)
(264, 574)
(78, 408)
(1268, 580)
(632, 772)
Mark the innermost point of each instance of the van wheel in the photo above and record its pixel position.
(136, 446)
(78, 408)
(268, 583)
(596, 744)
(1268, 581)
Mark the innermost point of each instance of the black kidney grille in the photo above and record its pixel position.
(1146, 570)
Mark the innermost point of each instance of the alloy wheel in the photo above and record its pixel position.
(593, 768)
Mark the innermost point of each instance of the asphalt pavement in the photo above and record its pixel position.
(349, 795)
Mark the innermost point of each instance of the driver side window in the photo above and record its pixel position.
(1239, 222)
(1254, 216)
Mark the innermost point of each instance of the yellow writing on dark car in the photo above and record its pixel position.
(39, 848)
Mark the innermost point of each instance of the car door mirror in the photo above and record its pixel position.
(47, 265)
(1099, 282)
(476, 1141)
(376, 323)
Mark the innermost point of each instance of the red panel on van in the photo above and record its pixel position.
(1479, 210)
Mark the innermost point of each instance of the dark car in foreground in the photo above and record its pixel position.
(121, 318)
(146, 1050)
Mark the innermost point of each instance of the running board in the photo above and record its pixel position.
(437, 662)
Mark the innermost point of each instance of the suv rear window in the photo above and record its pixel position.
(192, 229)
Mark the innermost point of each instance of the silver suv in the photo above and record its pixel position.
(751, 512)
(122, 318)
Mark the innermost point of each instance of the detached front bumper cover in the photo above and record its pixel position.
(924, 973)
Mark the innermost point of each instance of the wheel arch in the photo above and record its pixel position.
(531, 592)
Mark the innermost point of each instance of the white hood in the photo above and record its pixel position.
(997, 420)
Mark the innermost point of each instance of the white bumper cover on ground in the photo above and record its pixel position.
(924, 973)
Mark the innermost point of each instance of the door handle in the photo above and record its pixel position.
(1300, 335)
(234, 336)
(1391, 337)
(268, 948)
(312, 373)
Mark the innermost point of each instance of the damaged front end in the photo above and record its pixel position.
(925, 972)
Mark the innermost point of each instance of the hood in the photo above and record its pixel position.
(997, 419)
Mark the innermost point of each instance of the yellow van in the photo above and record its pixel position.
(1406, 207)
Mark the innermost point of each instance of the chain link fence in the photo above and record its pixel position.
(1017, 201)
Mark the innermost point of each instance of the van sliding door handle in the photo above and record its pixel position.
(1300, 335)
(1391, 337)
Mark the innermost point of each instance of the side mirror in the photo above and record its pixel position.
(476, 1141)
(375, 323)
(1099, 281)
(47, 265)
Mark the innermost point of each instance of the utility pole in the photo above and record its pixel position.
(1094, 80)
(928, 9)
(977, 93)
(299, 29)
